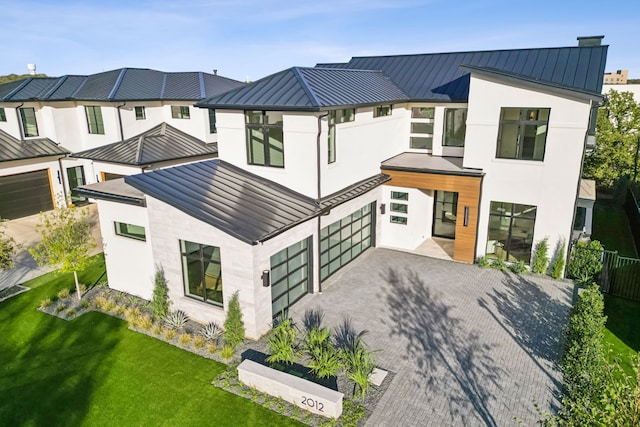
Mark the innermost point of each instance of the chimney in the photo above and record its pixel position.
(32, 69)
(590, 41)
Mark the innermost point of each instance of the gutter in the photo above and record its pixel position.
(20, 121)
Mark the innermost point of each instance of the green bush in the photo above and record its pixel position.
(585, 261)
(63, 293)
(540, 260)
(518, 267)
(557, 265)
(233, 324)
(227, 352)
(45, 303)
(358, 364)
(160, 300)
(483, 262)
(282, 343)
(499, 264)
(323, 356)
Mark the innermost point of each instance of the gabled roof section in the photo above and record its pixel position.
(161, 143)
(14, 149)
(124, 84)
(439, 77)
(311, 89)
(227, 197)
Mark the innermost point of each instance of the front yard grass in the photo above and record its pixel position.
(621, 330)
(611, 228)
(94, 371)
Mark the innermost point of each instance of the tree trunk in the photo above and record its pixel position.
(75, 276)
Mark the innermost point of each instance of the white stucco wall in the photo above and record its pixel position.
(419, 218)
(130, 264)
(552, 184)
(12, 125)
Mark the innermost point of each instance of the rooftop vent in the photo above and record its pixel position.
(31, 68)
(590, 40)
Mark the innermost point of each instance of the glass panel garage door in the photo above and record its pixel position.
(290, 275)
(344, 240)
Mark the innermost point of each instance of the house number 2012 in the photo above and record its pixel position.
(311, 403)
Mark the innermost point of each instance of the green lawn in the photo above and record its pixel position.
(94, 371)
(621, 333)
(611, 228)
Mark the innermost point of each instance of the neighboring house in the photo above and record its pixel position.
(30, 175)
(583, 223)
(87, 112)
(481, 149)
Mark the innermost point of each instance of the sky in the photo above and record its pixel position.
(250, 39)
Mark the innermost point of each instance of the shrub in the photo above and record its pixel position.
(109, 305)
(176, 319)
(518, 267)
(233, 324)
(227, 352)
(160, 301)
(145, 322)
(71, 312)
(132, 313)
(120, 309)
(82, 288)
(199, 341)
(540, 260)
(99, 302)
(358, 364)
(184, 338)
(483, 262)
(60, 307)
(324, 361)
(585, 261)
(584, 351)
(63, 293)
(157, 329)
(85, 304)
(45, 303)
(281, 344)
(212, 348)
(211, 332)
(499, 264)
(170, 334)
(557, 265)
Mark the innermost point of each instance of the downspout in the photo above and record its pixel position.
(319, 190)
(64, 187)
(20, 121)
(120, 120)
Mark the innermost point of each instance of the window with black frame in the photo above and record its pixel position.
(421, 132)
(336, 117)
(265, 138)
(511, 229)
(202, 270)
(94, 119)
(455, 127)
(29, 123)
(523, 133)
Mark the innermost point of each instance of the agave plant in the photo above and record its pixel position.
(176, 319)
(212, 332)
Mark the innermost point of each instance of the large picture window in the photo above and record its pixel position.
(202, 271)
(421, 135)
(336, 117)
(29, 124)
(455, 127)
(511, 231)
(265, 138)
(523, 133)
(94, 119)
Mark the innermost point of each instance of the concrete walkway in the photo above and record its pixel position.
(24, 232)
(469, 346)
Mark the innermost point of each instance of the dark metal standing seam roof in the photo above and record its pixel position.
(159, 144)
(227, 197)
(438, 76)
(311, 89)
(14, 149)
(125, 84)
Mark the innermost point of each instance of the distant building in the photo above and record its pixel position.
(617, 78)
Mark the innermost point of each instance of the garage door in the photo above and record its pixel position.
(290, 275)
(25, 194)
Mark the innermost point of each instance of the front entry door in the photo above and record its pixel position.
(445, 212)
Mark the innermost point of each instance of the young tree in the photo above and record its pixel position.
(617, 132)
(233, 324)
(66, 241)
(8, 249)
(160, 301)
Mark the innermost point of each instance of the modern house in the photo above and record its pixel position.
(84, 113)
(478, 151)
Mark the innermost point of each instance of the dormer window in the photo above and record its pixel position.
(265, 138)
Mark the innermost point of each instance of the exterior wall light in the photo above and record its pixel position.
(266, 278)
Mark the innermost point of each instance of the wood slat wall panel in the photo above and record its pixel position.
(468, 189)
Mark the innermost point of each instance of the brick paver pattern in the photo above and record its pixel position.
(469, 346)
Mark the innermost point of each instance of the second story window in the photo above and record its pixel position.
(140, 113)
(382, 110)
(180, 112)
(337, 117)
(94, 119)
(455, 127)
(265, 138)
(421, 136)
(3, 115)
(29, 124)
(523, 133)
(212, 121)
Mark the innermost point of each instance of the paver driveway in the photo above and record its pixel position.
(469, 346)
